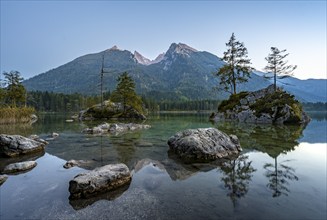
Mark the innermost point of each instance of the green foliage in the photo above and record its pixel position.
(277, 65)
(10, 115)
(278, 100)
(15, 91)
(233, 100)
(237, 68)
(125, 93)
(58, 102)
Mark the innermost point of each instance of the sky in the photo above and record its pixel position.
(37, 36)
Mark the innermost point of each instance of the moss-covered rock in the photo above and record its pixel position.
(262, 106)
(110, 110)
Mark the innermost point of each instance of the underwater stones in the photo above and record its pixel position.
(73, 163)
(15, 145)
(101, 179)
(204, 144)
(19, 167)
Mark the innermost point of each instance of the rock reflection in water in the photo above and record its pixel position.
(4, 161)
(78, 204)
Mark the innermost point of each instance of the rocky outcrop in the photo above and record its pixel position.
(110, 110)
(3, 179)
(19, 167)
(265, 106)
(115, 128)
(204, 144)
(102, 179)
(15, 145)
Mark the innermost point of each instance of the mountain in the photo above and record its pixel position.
(181, 73)
(309, 90)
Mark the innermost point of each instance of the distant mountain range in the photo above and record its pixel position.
(181, 73)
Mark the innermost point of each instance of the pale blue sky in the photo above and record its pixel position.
(37, 36)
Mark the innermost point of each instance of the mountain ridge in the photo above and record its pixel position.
(181, 73)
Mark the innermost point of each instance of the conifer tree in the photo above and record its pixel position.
(15, 91)
(237, 68)
(125, 93)
(278, 66)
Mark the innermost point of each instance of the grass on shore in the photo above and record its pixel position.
(10, 115)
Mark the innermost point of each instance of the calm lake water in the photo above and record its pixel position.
(281, 173)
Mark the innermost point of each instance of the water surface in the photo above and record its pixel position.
(281, 173)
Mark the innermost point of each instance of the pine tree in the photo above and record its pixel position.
(278, 66)
(15, 91)
(125, 93)
(237, 68)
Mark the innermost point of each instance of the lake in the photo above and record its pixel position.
(281, 173)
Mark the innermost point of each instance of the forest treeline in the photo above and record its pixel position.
(59, 102)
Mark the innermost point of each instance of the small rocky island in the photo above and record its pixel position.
(204, 144)
(109, 110)
(265, 106)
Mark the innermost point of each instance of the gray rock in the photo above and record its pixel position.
(204, 144)
(3, 179)
(37, 138)
(102, 179)
(19, 167)
(115, 128)
(14, 145)
(120, 127)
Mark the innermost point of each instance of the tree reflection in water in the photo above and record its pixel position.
(273, 140)
(279, 176)
(237, 177)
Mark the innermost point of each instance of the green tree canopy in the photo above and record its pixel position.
(15, 91)
(237, 68)
(125, 93)
(278, 66)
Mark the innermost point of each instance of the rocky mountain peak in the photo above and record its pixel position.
(181, 48)
(141, 59)
(145, 61)
(114, 48)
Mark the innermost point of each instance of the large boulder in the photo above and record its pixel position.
(15, 145)
(102, 179)
(265, 106)
(19, 167)
(115, 128)
(204, 144)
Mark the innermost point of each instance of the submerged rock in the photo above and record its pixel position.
(3, 179)
(265, 106)
(102, 179)
(73, 163)
(115, 128)
(204, 144)
(19, 167)
(14, 145)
